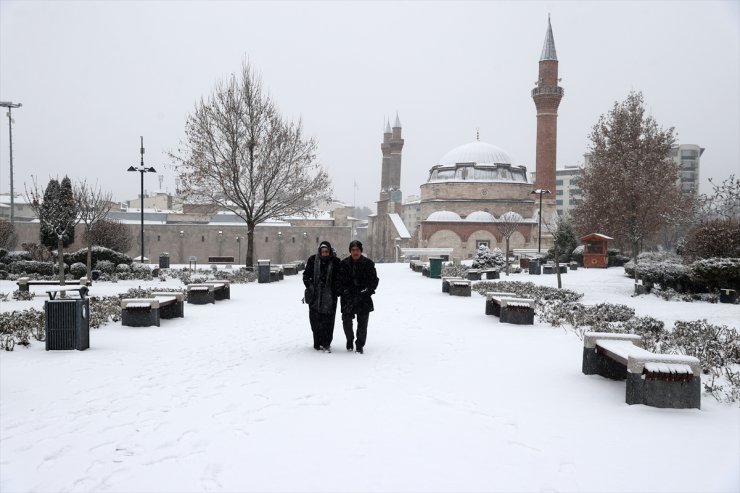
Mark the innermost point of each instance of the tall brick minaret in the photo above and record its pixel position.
(547, 96)
(392, 145)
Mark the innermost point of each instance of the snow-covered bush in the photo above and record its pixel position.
(141, 271)
(19, 295)
(603, 317)
(17, 327)
(486, 258)
(237, 276)
(15, 256)
(716, 238)
(98, 254)
(455, 270)
(577, 255)
(105, 266)
(78, 269)
(35, 267)
(653, 332)
(717, 273)
(542, 295)
(123, 269)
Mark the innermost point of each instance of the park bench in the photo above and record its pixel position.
(490, 273)
(519, 311)
(276, 274)
(290, 269)
(460, 287)
(221, 260)
(208, 292)
(474, 274)
(549, 268)
(493, 301)
(657, 380)
(144, 312)
(417, 265)
(81, 292)
(446, 282)
(24, 283)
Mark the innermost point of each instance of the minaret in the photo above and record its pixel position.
(394, 169)
(385, 148)
(547, 96)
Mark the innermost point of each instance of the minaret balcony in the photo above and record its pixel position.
(548, 90)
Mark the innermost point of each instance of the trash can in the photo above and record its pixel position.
(727, 296)
(263, 271)
(524, 262)
(164, 260)
(535, 268)
(94, 275)
(67, 324)
(435, 267)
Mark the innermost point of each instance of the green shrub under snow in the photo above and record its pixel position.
(32, 267)
(15, 256)
(667, 271)
(78, 269)
(717, 273)
(123, 269)
(105, 266)
(542, 295)
(98, 254)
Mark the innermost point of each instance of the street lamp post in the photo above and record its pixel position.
(239, 243)
(10, 105)
(142, 169)
(540, 191)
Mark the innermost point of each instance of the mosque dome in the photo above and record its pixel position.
(443, 216)
(477, 162)
(476, 152)
(480, 217)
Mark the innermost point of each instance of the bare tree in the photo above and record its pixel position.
(112, 234)
(58, 216)
(507, 224)
(93, 205)
(240, 154)
(724, 202)
(631, 187)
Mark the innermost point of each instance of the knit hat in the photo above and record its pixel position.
(325, 244)
(355, 243)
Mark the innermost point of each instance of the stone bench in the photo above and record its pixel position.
(519, 311)
(446, 282)
(208, 292)
(460, 288)
(490, 273)
(550, 268)
(473, 274)
(493, 301)
(290, 269)
(221, 260)
(144, 312)
(24, 283)
(657, 380)
(276, 274)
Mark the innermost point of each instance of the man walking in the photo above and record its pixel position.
(357, 283)
(320, 278)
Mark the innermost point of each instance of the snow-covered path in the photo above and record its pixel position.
(234, 398)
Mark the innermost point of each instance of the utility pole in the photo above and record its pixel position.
(10, 105)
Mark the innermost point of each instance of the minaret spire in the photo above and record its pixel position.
(397, 124)
(548, 49)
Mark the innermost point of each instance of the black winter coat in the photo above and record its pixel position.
(321, 280)
(357, 283)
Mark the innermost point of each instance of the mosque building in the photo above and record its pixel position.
(473, 185)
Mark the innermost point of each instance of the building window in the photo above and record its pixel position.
(478, 243)
(293, 238)
(317, 240)
(157, 237)
(559, 191)
(559, 202)
(558, 182)
(203, 238)
(267, 239)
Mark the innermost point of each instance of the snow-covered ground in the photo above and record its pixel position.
(234, 398)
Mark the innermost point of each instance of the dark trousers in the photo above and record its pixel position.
(322, 326)
(362, 319)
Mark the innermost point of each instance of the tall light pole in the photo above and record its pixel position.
(142, 169)
(540, 191)
(10, 105)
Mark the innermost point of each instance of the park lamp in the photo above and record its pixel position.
(10, 105)
(540, 192)
(142, 169)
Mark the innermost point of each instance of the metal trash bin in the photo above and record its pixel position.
(67, 324)
(94, 275)
(164, 261)
(435, 267)
(535, 268)
(524, 262)
(263, 271)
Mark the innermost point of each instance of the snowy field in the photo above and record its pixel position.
(234, 398)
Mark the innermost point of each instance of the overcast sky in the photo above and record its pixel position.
(94, 76)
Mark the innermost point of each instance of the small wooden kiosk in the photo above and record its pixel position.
(595, 250)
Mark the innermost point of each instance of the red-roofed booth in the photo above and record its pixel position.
(595, 250)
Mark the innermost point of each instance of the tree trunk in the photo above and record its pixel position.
(556, 251)
(634, 261)
(89, 261)
(60, 259)
(250, 246)
(507, 256)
